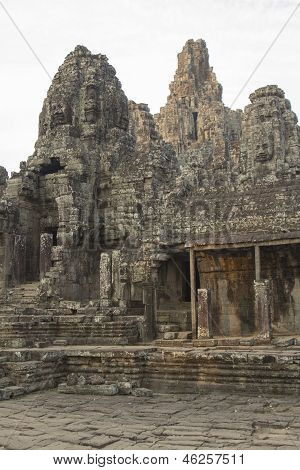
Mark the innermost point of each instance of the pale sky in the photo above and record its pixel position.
(141, 39)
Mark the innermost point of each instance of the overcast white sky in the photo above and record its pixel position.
(141, 39)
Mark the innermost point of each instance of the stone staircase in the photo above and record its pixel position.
(23, 295)
(174, 323)
(24, 322)
(43, 329)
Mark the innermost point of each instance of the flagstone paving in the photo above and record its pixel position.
(49, 420)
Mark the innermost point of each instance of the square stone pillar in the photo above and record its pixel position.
(105, 280)
(46, 244)
(148, 301)
(193, 292)
(262, 291)
(19, 258)
(204, 314)
(115, 275)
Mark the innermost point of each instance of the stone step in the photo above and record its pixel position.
(176, 343)
(183, 335)
(164, 328)
(60, 342)
(175, 306)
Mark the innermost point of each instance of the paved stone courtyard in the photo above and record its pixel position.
(48, 420)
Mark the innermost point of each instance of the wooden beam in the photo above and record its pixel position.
(225, 246)
(257, 262)
(193, 292)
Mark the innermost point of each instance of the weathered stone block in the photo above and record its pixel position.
(170, 335)
(142, 392)
(87, 389)
(125, 388)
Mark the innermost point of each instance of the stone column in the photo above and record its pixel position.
(148, 300)
(193, 292)
(105, 280)
(262, 291)
(257, 262)
(115, 274)
(204, 314)
(46, 244)
(155, 283)
(19, 258)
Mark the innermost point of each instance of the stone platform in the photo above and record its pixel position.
(163, 369)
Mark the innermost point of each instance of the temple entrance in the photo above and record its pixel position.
(281, 265)
(174, 298)
(229, 276)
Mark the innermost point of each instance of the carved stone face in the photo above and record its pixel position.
(43, 124)
(60, 114)
(264, 146)
(90, 106)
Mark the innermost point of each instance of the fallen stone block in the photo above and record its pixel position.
(11, 392)
(125, 388)
(95, 379)
(82, 380)
(105, 390)
(142, 392)
(72, 379)
(284, 342)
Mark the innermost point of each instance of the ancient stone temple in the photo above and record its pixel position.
(153, 250)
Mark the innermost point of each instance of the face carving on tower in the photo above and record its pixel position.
(85, 101)
(269, 132)
(60, 112)
(91, 105)
(264, 146)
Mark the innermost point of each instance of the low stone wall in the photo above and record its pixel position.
(164, 370)
(193, 370)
